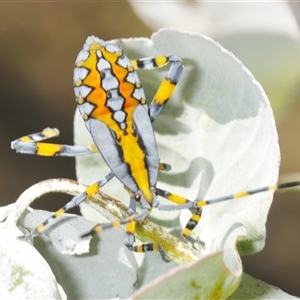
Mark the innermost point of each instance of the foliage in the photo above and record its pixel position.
(219, 135)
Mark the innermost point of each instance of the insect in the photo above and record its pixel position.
(113, 106)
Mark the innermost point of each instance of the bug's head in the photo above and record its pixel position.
(147, 199)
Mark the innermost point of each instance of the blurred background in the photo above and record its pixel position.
(40, 41)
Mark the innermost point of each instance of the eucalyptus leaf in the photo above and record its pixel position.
(252, 288)
(264, 35)
(214, 276)
(88, 276)
(24, 273)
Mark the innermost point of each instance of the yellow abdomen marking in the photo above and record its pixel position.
(135, 157)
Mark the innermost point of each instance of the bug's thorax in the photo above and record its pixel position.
(108, 86)
(147, 198)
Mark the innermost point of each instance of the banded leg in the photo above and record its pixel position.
(197, 206)
(275, 187)
(130, 234)
(164, 167)
(30, 144)
(183, 203)
(142, 248)
(169, 83)
(75, 201)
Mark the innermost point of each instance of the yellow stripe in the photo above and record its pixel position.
(115, 224)
(45, 149)
(161, 166)
(93, 148)
(186, 232)
(60, 212)
(40, 227)
(155, 247)
(91, 190)
(201, 203)
(273, 187)
(164, 92)
(130, 228)
(161, 60)
(177, 199)
(195, 218)
(97, 229)
(139, 248)
(241, 195)
(26, 138)
(49, 133)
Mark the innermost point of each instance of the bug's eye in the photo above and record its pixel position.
(137, 197)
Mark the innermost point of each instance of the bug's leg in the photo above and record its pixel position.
(164, 167)
(145, 247)
(75, 201)
(275, 187)
(130, 234)
(30, 144)
(196, 207)
(183, 203)
(169, 83)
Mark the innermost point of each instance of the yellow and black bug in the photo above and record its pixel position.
(112, 103)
